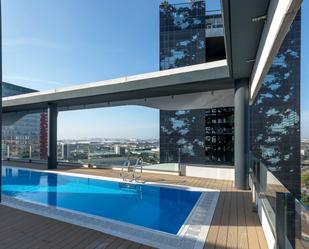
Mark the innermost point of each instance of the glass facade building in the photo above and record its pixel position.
(189, 36)
(219, 135)
(182, 34)
(24, 138)
(206, 136)
(275, 144)
(275, 114)
(182, 136)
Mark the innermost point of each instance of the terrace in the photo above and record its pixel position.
(234, 225)
(229, 189)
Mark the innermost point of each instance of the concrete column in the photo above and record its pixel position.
(241, 133)
(52, 113)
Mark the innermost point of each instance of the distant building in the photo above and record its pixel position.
(65, 151)
(119, 150)
(28, 132)
(60, 151)
(67, 148)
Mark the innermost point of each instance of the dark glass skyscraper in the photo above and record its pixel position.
(188, 36)
(25, 132)
(219, 135)
(275, 142)
(182, 34)
(182, 136)
(275, 114)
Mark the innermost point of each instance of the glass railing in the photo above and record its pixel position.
(102, 155)
(302, 213)
(112, 156)
(21, 151)
(288, 217)
(24, 136)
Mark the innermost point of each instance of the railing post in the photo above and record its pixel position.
(285, 220)
(30, 153)
(8, 152)
(179, 159)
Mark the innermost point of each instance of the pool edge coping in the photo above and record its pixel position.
(185, 238)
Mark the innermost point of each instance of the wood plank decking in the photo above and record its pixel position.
(234, 225)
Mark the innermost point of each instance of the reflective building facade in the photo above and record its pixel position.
(26, 133)
(275, 114)
(219, 135)
(182, 34)
(275, 144)
(182, 136)
(188, 36)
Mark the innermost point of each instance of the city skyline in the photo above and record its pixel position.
(110, 125)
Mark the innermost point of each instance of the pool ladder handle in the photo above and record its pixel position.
(131, 170)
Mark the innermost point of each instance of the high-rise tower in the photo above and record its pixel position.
(190, 35)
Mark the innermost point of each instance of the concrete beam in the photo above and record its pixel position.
(197, 78)
(190, 101)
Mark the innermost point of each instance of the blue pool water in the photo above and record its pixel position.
(159, 208)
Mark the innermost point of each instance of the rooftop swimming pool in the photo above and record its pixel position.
(155, 207)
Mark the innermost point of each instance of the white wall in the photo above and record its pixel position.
(209, 171)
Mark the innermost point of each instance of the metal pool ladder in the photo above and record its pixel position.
(132, 170)
(136, 189)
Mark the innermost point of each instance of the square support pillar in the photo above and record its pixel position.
(241, 133)
(52, 113)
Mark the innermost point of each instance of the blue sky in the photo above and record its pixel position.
(305, 70)
(54, 43)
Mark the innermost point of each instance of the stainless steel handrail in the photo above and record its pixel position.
(131, 170)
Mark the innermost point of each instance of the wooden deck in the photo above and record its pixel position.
(234, 225)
